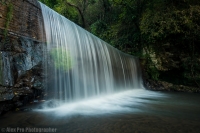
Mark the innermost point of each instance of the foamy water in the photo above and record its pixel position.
(127, 101)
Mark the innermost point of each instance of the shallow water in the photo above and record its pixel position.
(136, 111)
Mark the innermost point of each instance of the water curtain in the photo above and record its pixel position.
(79, 65)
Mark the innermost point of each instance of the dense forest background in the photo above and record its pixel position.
(165, 34)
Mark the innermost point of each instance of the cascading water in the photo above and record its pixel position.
(80, 65)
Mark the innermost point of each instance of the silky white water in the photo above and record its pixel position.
(79, 65)
(129, 101)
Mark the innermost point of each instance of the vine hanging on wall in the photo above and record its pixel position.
(8, 18)
(9, 14)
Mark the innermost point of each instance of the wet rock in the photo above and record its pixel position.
(6, 93)
(6, 71)
(22, 91)
(18, 104)
(154, 85)
(21, 74)
(15, 98)
(165, 86)
(20, 56)
(18, 85)
(32, 79)
(37, 84)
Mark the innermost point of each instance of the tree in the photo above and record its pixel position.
(50, 3)
(170, 29)
(128, 36)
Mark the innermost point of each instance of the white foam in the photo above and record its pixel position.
(120, 102)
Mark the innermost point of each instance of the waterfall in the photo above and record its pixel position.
(79, 65)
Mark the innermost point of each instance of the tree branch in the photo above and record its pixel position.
(80, 12)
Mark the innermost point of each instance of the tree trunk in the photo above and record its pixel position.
(80, 13)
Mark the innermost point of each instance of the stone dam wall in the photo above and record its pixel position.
(21, 47)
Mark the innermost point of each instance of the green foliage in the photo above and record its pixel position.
(62, 59)
(153, 72)
(50, 3)
(162, 25)
(98, 27)
(150, 66)
(3, 2)
(191, 67)
(8, 18)
(172, 30)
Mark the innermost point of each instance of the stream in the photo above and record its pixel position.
(132, 111)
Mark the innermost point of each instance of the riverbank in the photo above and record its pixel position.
(166, 86)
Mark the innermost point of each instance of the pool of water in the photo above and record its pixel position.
(134, 111)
